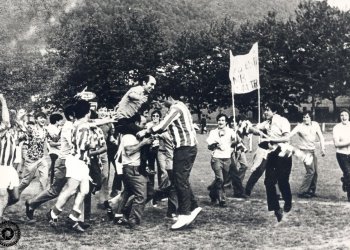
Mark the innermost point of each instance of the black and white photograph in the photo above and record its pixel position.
(182, 124)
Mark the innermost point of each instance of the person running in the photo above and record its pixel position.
(77, 170)
(180, 124)
(9, 180)
(341, 138)
(34, 158)
(219, 142)
(308, 131)
(278, 168)
(59, 180)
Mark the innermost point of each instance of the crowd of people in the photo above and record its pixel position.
(83, 146)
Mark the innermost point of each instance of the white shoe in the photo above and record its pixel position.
(194, 214)
(182, 221)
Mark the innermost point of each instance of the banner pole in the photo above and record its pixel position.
(233, 108)
(259, 108)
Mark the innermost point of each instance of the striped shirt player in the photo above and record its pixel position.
(8, 143)
(179, 123)
(77, 162)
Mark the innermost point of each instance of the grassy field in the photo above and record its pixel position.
(320, 223)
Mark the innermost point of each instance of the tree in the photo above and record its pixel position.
(103, 45)
(321, 57)
(199, 70)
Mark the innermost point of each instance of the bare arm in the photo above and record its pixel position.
(340, 142)
(98, 151)
(321, 138)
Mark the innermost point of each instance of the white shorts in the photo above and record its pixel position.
(76, 169)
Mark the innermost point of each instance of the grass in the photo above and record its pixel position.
(320, 223)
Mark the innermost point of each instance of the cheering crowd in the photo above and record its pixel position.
(83, 145)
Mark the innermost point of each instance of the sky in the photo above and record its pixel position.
(341, 4)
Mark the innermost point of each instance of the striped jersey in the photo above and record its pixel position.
(8, 143)
(180, 125)
(81, 140)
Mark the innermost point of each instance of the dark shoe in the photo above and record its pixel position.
(241, 196)
(84, 225)
(213, 199)
(305, 195)
(132, 225)
(313, 195)
(77, 227)
(248, 192)
(53, 222)
(279, 214)
(343, 184)
(348, 194)
(287, 207)
(120, 221)
(29, 211)
(222, 204)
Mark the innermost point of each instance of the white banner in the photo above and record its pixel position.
(244, 71)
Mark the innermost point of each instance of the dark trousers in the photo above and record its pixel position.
(235, 176)
(170, 193)
(255, 176)
(221, 168)
(183, 160)
(126, 126)
(277, 172)
(55, 188)
(344, 164)
(53, 158)
(135, 184)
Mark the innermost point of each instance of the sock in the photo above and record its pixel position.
(55, 212)
(73, 218)
(75, 214)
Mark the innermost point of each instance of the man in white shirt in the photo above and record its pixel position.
(308, 131)
(341, 138)
(278, 168)
(135, 183)
(220, 141)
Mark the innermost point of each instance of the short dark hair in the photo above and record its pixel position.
(221, 115)
(40, 114)
(241, 117)
(144, 107)
(145, 79)
(55, 118)
(69, 111)
(82, 108)
(157, 112)
(344, 110)
(93, 115)
(274, 107)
